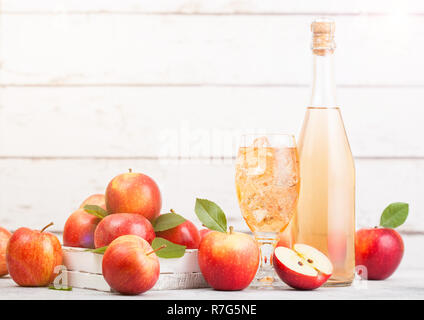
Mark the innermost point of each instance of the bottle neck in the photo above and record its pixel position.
(323, 85)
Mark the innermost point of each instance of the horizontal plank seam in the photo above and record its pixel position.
(23, 157)
(189, 85)
(188, 13)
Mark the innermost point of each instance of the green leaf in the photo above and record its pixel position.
(171, 250)
(394, 215)
(99, 212)
(167, 221)
(60, 288)
(100, 250)
(211, 215)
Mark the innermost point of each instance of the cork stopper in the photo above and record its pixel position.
(323, 36)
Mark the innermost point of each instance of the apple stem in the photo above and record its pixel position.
(160, 248)
(231, 229)
(130, 170)
(172, 211)
(49, 225)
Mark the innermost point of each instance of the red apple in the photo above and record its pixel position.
(32, 257)
(380, 250)
(130, 266)
(303, 268)
(4, 239)
(95, 200)
(228, 261)
(204, 232)
(79, 229)
(185, 234)
(119, 224)
(134, 193)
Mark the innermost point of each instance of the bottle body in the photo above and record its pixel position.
(326, 207)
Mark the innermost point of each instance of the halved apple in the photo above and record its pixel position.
(303, 268)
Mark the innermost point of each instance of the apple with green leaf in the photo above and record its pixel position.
(381, 249)
(80, 226)
(175, 228)
(97, 199)
(119, 224)
(79, 229)
(4, 239)
(227, 260)
(130, 265)
(133, 193)
(32, 257)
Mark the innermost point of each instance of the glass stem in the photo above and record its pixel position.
(267, 242)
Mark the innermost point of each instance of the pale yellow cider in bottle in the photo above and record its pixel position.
(326, 207)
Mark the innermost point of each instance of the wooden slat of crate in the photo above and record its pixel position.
(167, 281)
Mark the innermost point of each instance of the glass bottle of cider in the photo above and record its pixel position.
(326, 207)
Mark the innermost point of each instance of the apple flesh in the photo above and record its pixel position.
(134, 193)
(79, 229)
(119, 224)
(32, 257)
(185, 234)
(4, 239)
(95, 200)
(380, 250)
(303, 268)
(228, 261)
(130, 266)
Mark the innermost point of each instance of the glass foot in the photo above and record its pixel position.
(337, 283)
(267, 282)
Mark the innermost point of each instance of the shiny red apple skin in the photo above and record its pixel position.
(126, 267)
(97, 199)
(380, 250)
(134, 193)
(32, 257)
(297, 280)
(204, 232)
(119, 224)
(4, 239)
(228, 261)
(79, 229)
(185, 234)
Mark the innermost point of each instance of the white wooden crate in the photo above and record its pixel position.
(84, 270)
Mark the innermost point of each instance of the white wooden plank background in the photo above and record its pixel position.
(91, 88)
(185, 50)
(303, 7)
(137, 122)
(35, 192)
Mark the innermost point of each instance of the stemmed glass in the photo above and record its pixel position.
(267, 185)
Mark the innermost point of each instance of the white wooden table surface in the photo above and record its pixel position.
(406, 283)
